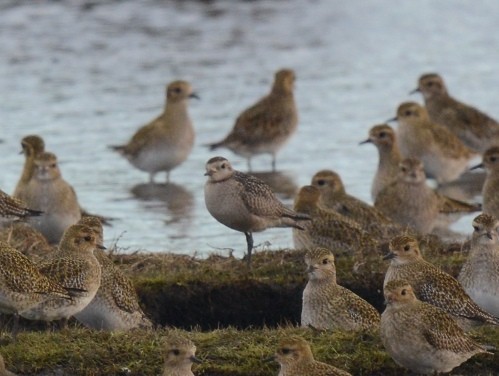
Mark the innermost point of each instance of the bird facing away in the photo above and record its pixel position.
(475, 129)
(443, 154)
(12, 208)
(296, 359)
(3, 370)
(22, 285)
(431, 284)
(421, 337)
(74, 267)
(180, 353)
(328, 229)
(115, 306)
(32, 146)
(267, 125)
(166, 141)
(49, 192)
(410, 202)
(490, 161)
(480, 273)
(334, 196)
(327, 305)
(383, 137)
(244, 203)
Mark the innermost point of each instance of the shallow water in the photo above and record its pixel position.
(84, 76)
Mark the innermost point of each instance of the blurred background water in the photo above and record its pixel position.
(86, 74)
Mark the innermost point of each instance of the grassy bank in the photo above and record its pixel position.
(234, 316)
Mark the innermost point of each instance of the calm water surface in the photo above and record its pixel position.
(85, 76)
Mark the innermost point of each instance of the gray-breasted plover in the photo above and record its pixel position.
(421, 337)
(180, 354)
(267, 125)
(431, 284)
(166, 141)
(490, 161)
(480, 273)
(296, 359)
(475, 129)
(443, 154)
(244, 203)
(384, 138)
(74, 267)
(115, 306)
(327, 305)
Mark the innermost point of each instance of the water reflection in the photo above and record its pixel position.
(179, 201)
(281, 183)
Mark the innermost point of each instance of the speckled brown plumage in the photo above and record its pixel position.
(268, 124)
(296, 359)
(13, 208)
(328, 229)
(327, 305)
(419, 336)
(475, 129)
(115, 306)
(22, 285)
(180, 353)
(335, 197)
(431, 284)
(27, 240)
(75, 267)
(480, 273)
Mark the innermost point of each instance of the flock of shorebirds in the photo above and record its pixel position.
(428, 312)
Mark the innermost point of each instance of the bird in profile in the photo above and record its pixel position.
(12, 208)
(180, 354)
(166, 141)
(480, 273)
(267, 125)
(74, 267)
(383, 137)
(296, 359)
(327, 305)
(443, 154)
(244, 203)
(115, 306)
(328, 229)
(421, 337)
(474, 128)
(334, 196)
(432, 285)
(490, 161)
(32, 146)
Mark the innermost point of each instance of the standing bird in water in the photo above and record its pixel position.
(267, 125)
(243, 202)
(166, 141)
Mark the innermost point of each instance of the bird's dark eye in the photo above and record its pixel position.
(175, 352)
(406, 248)
(429, 84)
(476, 228)
(493, 159)
(177, 90)
(404, 292)
(408, 113)
(53, 165)
(325, 261)
(88, 238)
(286, 350)
(321, 182)
(382, 134)
(223, 165)
(403, 169)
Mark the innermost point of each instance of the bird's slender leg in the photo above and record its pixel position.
(167, 177)
(273, 162)
(249, 164)
(249, 241)
(15, 327)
